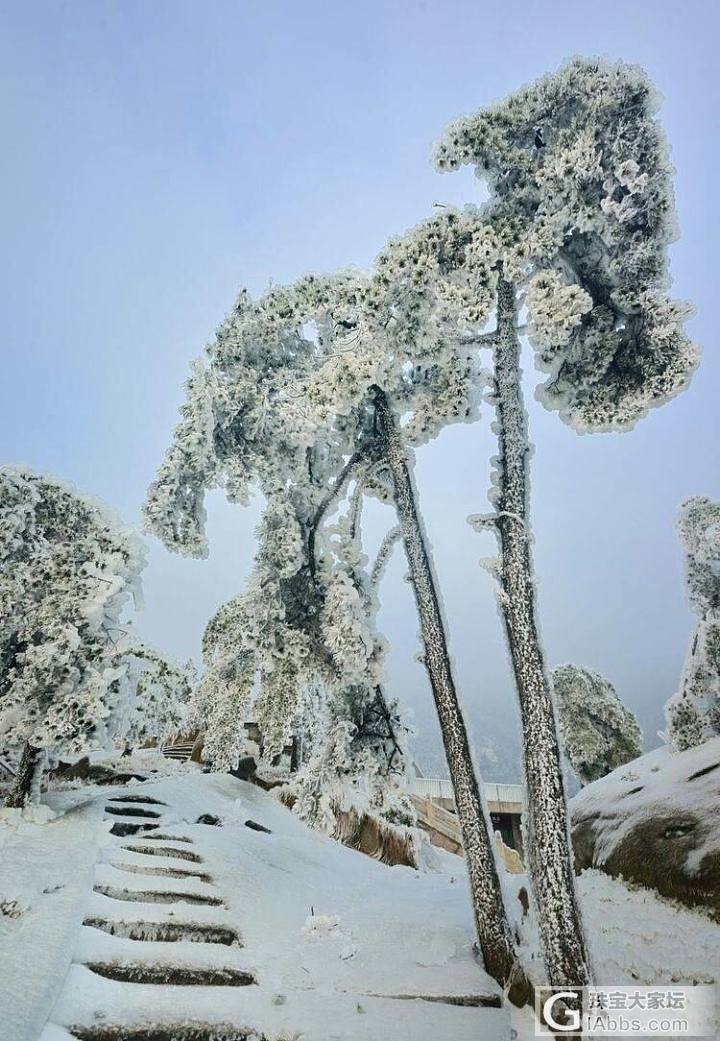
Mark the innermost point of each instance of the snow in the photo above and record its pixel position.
(47, 869)
(638, 938)
(332, 937)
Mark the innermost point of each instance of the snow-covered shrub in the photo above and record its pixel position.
(355, 759)
(67, 571)
(600, 733)
(299, 655)
(72, 675)
(693, 714)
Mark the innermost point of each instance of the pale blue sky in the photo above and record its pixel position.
(158, 155)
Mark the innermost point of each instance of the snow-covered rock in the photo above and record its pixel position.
(655, 822)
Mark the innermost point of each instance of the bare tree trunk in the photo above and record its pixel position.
(490, 919)
(549, 848)
(28, 776)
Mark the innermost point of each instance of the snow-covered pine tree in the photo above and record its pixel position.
(313, 379)
(67, 570)
(599, 732)
(268, 647)
(581, 209)
(693, 714)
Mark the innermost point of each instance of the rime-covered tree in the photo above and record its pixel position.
(309, 388)
(407, 375)
(579, 218)
(693, 714)
(599, 732)
(67, 571)
(291, 670)
(155, 693)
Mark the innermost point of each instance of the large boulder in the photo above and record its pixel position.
(656, 821)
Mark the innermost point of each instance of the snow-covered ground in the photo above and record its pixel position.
(340, 947)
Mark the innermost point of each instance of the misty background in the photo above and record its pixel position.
(160, 155)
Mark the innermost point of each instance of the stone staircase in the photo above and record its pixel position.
(156, 922)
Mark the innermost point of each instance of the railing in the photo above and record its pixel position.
(180, 752)
(432, 816)
(510, 796)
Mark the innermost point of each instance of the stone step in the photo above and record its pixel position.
(167, 932)
(124, 828)
(133, 811)
(156, 897)
(165, 1032)
(148, 799)
(172, 975)
(171, 838)
(168, 872)
(165, 851)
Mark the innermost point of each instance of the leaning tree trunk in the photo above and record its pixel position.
(28, 776)
(490, 919)
(548, 844)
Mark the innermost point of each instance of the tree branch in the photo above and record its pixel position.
(482, 339)
(391, 537)
(366, 451)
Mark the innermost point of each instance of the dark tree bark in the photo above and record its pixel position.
(548, 843)
(28, 776)
(490, 919)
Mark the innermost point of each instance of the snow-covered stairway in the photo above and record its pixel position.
(154, 921)
(259, 929)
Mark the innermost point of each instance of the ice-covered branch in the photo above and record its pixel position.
(384, 553)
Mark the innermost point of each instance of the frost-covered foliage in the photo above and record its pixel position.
(582, 208)
(243, 424)
(177, 507)
(284, 386)
(156, 694)
(354, 758)
(693, 714)
(67, 571)
(600, 732)
(298, 653)
(285, 405)
(699, 528)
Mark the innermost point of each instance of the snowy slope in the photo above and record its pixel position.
(317, 942)
(338, 944)
(46, 871)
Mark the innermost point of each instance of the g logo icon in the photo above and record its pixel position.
(558, 1012)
